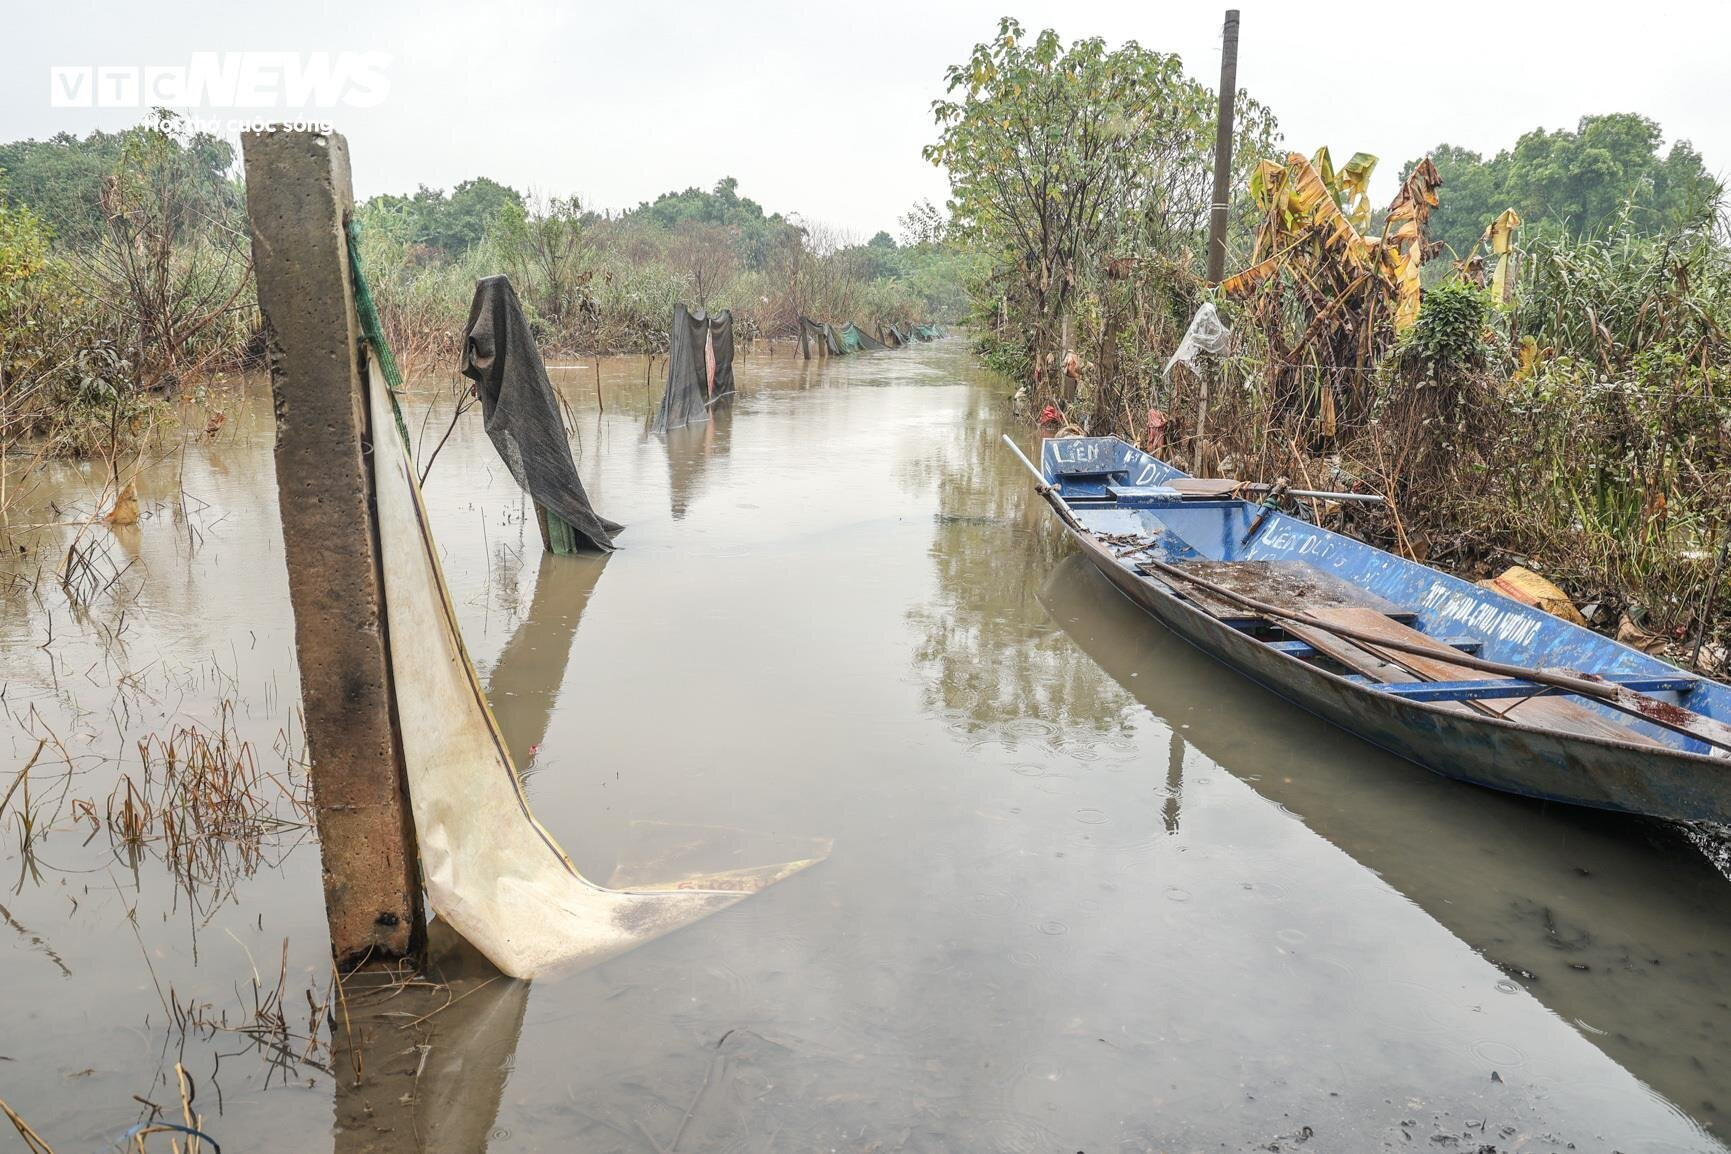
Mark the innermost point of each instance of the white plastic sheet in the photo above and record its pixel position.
(1206, 334)
(491, 870)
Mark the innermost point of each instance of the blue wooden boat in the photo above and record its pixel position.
(1460, 679)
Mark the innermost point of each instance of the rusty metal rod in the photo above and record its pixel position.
(1319, 494)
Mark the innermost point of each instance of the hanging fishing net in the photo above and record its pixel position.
(819, 334)
(699, 367)
(491, 870)
(521, 413)
(854, 339)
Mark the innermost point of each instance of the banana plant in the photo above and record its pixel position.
(1331, 296)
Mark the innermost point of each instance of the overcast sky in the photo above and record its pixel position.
(822, 109)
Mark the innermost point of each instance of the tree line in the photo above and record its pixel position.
(125, 272)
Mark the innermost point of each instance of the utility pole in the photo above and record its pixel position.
(1223, 149)
(298, 199)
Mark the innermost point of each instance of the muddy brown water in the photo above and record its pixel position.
(1089, 891)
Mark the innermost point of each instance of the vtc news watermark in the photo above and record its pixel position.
(251, 81)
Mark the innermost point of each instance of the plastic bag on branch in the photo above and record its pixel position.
(1206, 334)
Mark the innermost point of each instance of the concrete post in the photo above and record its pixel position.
(298, 198)
(1223, 148)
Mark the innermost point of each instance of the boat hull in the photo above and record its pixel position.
(1479, 749)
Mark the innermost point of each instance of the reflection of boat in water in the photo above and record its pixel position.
(524, 682)
(1611, 921)
(1461, 680)
(690, 450)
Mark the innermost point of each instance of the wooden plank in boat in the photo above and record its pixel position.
(1202, 487)
(1371, 664)
(1294, 585)
(1545, 712)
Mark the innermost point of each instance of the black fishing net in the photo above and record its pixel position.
(816, 332)
(521, 413)
(842, 340)
(699, 367)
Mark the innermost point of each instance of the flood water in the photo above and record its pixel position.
(1088, 892)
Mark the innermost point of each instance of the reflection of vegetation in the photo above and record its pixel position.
(987, 651)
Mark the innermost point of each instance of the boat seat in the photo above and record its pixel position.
(1494, 688)
(1143, 494)
(1304, 649)
(1391, 666)
(1204, 488)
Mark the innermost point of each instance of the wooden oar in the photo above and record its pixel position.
(1059, 506)
(1661, 713)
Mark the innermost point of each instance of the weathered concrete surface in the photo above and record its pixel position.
(298, 197)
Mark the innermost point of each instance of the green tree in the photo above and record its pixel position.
(1576, 183)
(1059, 156)
(62, 178)
(453, 224)
(475, 206)
(23, 254)
(876, 259)
(756, 234)
(23, 245)
(722, 205)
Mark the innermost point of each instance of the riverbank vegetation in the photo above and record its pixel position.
(1528, 353)
(607, 283)
(125, 275)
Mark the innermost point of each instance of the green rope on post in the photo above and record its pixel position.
(372, 329)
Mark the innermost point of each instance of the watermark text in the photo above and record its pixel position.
(228, 80)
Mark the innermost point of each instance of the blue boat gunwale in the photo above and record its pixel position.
(1083, 480)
